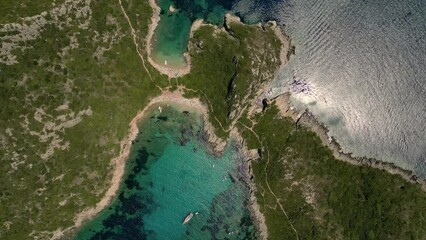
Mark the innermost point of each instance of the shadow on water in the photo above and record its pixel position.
(170, 173)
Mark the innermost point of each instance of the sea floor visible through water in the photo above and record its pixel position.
(171, 36)
(170, 173)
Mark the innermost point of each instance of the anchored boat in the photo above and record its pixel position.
(187, 218)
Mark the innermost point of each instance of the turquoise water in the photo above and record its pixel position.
(170, 173)
(172, 33)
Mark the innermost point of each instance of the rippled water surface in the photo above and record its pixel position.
(360, 67)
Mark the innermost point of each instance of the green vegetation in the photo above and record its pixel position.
(321, 197)
(228, 69)
(66, 106)
(11, 10)
(325, 198)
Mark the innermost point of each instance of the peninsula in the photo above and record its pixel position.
(74, 77)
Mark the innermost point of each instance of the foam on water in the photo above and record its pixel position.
(171, 173)
(360, 68)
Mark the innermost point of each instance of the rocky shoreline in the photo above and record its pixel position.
(308, 120)
(216, 144)
(245, 171)
(169, 71)
(252, 205)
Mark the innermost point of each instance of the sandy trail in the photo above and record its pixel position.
(170, 71)
(119, 162)
(135, 38)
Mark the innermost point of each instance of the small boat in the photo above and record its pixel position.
(187, 218)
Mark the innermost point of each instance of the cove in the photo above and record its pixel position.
(171, 172)
(171, 36)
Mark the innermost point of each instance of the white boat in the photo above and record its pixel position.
(187, 218)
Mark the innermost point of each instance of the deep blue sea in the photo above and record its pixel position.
(360, 67)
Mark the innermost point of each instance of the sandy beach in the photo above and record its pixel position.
(178, 71)
(170, 71)
(119, 162)
(283, 103)
(217, 144)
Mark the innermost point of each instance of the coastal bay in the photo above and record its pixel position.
(247, 119)
(67, 142)
(172, 172)
(172, 25)
(295, 195)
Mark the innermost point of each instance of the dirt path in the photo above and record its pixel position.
(266, 178)
(135, 41)
(120, 161)
(275, 196)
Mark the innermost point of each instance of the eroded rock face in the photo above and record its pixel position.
(218, 145)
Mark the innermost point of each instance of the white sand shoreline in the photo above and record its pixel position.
(119, 162)
(170, 71)
(217, 144)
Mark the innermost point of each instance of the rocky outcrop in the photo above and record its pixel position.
(308, 120)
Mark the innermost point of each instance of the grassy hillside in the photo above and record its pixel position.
(71, 81)
(65, 106)
(303, 190)
(228, 67)
(323, 198)
(12, 10)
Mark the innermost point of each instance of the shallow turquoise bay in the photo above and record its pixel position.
(170, 173)
(171, 36)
